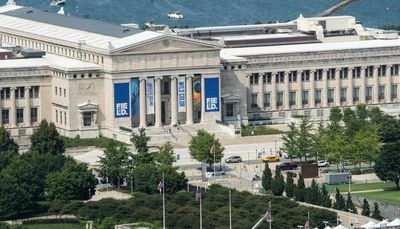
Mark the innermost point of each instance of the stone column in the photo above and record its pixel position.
(324, 96)
(286, 94)
(174, 101)
(142, 102)
(388, 84)
(27, 115)
(273, 91)
(337, 86)
(375, 91)
(299, 92)
(363, 86)
(350, 87)
(157, 93)
(312, 89)
(261, 91)
(13, 118)
(189, 99)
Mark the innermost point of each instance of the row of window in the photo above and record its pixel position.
(5, 115)
(59, 91)
(331, 74)
(77, 54)
(60, 116)
(330, 95)
(5, 92)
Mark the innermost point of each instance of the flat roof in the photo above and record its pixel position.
(73, 22)
(316, 47)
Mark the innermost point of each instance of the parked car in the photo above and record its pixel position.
(287, 166)
(323, 163)
(270, 158)
(217, 173)
(233, 159)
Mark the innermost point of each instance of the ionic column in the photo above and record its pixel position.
(13, 118)
(261, 91)
(189, 99)
(273, 91)
(363, 86)
(375, 92)
(350, 87)
(324, 95)
(27, 115)
(337, 86)
(142, 103)
(157, 90)
(174, 101)
(312, 89)
(299, 91)
(388, 84)
(286, 95)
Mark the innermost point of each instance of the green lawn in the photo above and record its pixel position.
(55, 226)
(361, 187)
(392, 197)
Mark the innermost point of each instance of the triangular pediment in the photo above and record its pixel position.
(169, 43)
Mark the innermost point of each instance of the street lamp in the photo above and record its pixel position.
(275, 145)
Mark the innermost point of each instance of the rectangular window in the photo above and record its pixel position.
(305, 75)
(269, 77)
(65, 92)
(357, 72)
(318, 93)
(20, 93)
(253, 100)
(267, 99)
(34, 92)
(394, 70)
(60, 91)
(61, 119)
(5, 116)
(280, 77)
(381, 91)
(343, 94)
(331, 95)
(55, 90)
(56, 115)
(254, 78)
(318, 74)
(87, 118)
(229, 109)
(165, 89)
(34, 114)
(394, 91)
(369, 71)
(5, 93)
(382, 70)
(20, 115)
(368, 93)
(331, 73)
(304, 97)
(279, 98)
(292, 97)
(292, 76)
(356, 93)
(344, 73)
(65, 118)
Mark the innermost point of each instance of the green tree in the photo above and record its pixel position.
(365, 208)
(290, 141)
(278, 183)
(16, 188)
(376, 214)
(8, 148)
(173, 181)
(266, 180)
(326, 198)
(300, 193)
(335, 117)
(73, 182)
(313, 195)
(46, 139)
(165, 155)
(350, 204)
(141, 141)
(115, 163)
(319, 149)
(298, 142)
(387, 166)
(366, 144)
(146, 177)
(340, 203)
(107, 223)
(200, 147)
(290, 186)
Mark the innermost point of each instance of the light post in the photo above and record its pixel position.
(275, 146)
(350, 224)
(349, 183)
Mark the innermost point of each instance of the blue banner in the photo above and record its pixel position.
(211, 94)
(135, 97)
(121, 100)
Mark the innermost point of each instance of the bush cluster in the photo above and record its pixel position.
(260, 130)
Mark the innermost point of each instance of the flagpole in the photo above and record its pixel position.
(201, 217)
(213, 148)
(230, 210)
(270, 215)
(163, 200)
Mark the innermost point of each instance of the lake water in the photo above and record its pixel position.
(221, 12)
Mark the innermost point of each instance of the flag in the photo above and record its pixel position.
(212, 149)
(198, 194)
(160, 186)
(267, 216)
(307, 225)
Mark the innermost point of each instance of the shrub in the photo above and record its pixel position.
(259, 130)
(100, 142)
(51, 221)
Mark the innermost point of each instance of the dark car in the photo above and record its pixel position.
(287, 166)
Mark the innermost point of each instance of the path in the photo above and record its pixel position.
(335, 7)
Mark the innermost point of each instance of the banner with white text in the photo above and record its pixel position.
(150, 96)
(211, 94)
(121, 100)
(181, 94)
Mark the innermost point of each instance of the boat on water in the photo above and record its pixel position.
(58, 2)
(175, 15)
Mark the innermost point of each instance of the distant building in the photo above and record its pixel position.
(91, 77)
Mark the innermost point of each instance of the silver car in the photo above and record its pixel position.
(233, 159)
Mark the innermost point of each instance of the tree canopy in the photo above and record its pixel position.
(8, 148)
(387, 166)
(200, 147)
(46, 139)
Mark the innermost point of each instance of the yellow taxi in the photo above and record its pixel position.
(270, 158)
